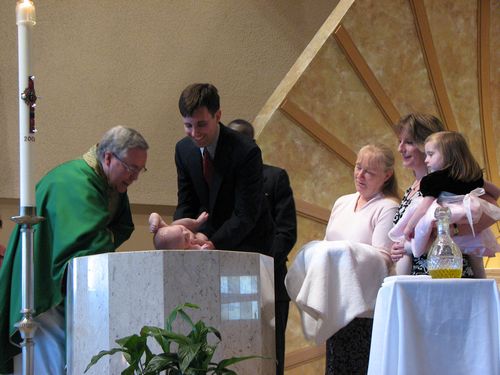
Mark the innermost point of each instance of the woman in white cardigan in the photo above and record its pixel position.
(364, 217)
(335, 281)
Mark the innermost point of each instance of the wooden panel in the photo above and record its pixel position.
(366, 75)
(493, 273)
(432, 63)
(303, 356)
(293, 75)
(319, 133)
(312, 211)
(485, 109)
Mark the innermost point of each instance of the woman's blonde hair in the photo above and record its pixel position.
(456, 156)
(383, 155)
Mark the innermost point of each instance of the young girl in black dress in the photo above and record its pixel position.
(454, 170)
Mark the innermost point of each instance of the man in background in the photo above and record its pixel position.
(280, 197)
(86, 210)
(220, 171)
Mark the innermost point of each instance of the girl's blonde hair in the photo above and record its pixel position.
(383, 155)
(456, 156)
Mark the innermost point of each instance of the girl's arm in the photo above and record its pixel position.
(417, 215)
(491, 189)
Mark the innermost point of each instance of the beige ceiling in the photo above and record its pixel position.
(100, 63)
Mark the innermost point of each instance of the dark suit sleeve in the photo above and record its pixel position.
(285, 218)
(188, 203)
(248, 199)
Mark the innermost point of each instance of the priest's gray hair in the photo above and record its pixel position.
(119, 140)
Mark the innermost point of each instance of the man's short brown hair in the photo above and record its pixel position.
(198, 95)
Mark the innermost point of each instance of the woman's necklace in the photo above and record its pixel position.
(415, 187)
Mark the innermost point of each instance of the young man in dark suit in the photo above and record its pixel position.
(280, 197)
(220, 171)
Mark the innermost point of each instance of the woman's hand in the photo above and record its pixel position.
(397, 251)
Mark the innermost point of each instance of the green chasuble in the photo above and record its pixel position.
(83, 216)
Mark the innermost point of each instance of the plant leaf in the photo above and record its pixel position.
(136, 347)
(157, 334)
(187, 353)
(186, 317)
(122, 341)
(231, 361)
(130, 370)
(101, 354)
(176, 337)
(173, 314)
(194, 353)
(162, 362)
(215, 332)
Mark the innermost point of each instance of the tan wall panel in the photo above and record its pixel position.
(454, 33)
(495, 72)
(294, 336)
(316, 175)
(308, 230)
(385, 34)
(332, 94)
(8, 208)
(316, 367)
(103, 63)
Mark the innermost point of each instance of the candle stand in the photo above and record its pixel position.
(27, 325)
(26, 20)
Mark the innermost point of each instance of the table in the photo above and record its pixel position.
(436, 326)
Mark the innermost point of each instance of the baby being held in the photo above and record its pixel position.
(179, 235)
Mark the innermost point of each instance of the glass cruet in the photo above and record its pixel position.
(444, 259)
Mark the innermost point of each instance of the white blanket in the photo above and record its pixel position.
(333, 282)
(464, 209)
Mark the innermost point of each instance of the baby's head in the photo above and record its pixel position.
(173, 237)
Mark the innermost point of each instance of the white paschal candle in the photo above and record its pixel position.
(25, 20)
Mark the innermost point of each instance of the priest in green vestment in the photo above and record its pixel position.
(86, 210)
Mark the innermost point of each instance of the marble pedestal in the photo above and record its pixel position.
(113, 295)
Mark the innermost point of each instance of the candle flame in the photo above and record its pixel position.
(25, 12)
(26, 3)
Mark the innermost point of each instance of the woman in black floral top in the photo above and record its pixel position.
(413, 129)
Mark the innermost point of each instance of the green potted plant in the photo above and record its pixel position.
(182, 355)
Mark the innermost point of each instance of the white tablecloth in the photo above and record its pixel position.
(333, 282)
(436, 327)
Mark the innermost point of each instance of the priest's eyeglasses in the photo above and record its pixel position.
(130, 169)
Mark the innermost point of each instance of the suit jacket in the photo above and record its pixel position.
(280, 197)
(239, 216)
